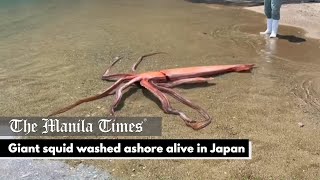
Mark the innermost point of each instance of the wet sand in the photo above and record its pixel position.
(48, 169)
(55, 53)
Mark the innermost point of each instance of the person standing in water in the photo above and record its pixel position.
(272, 11)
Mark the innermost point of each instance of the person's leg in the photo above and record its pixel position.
(275, 6)
(268, 13)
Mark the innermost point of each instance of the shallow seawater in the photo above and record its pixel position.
(54, 52)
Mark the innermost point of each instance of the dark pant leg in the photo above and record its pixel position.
(275, 6)
(267, 8)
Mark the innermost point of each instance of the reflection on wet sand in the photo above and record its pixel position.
(270, 49)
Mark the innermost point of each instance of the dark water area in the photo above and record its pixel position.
(246, 3)
(54, 52)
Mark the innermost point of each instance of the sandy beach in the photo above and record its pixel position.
(54, 53)
(302, 15)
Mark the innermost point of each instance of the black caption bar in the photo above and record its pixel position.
(125, 149)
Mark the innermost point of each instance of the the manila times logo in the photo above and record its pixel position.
(24, 126)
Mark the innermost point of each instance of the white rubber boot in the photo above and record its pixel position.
(269, 27)
(275, 25)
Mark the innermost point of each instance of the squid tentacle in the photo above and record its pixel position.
(135, 65)
(112, 64)
(107, 92)
(119, 93)
(114, 77)
(205, 115)
(185, 81)
(166, 106)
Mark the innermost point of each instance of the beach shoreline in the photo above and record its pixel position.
(302, 15)
(53, 53)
